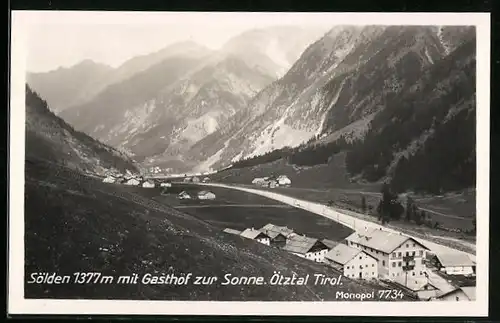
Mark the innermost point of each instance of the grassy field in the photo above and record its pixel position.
(253, 211)
(78, 224)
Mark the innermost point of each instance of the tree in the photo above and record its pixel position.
(363, 203)
(389, 207)
(410, 208)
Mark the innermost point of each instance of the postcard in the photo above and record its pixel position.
(218, 163)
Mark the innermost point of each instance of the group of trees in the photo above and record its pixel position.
(307, 154)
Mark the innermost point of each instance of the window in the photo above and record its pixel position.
(399, 254)
(347, 267)
(373, 265)
(413, 253)
(383, 262)
(407, 245)
(407, 254)
(420, 252)
(393, 255)
(393, 264)
(414, 244)
(420, 273)
(360, 257)
(399, 263)
(413, 273)
(457, 298)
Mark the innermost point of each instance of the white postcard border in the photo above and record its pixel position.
(17, 304)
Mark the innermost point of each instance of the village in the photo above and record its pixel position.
(392, 259)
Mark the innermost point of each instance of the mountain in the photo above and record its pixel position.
(50, 139)
(422, 138)
(339, 84)
(65, 87)
(159, 121)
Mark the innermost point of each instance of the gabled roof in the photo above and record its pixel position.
(381, 240)
(183, 193)
(232, 231)
(454, 259)
(274, 230)
(330, 243)
(470, 292)
(204, 192)
(301, 244)
(342, 254)
(425, 283)
(253, 234)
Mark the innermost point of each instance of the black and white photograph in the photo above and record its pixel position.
(249, 163)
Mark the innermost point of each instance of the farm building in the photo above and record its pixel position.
(166, 184)
(260, 181)
(459, 294)
(206, 195)
(148, 184)
(453, 263)
(109, 179)
(232, 231)
(394, 252)
(195, 179)
(278, 234)
(353, 263)
(206, 180)
(283, 180)
(133, 182)
(184, 195)
(426, 291)
(187, 179)
(305, 247)
(256, 235)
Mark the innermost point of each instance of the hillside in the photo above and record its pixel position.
(420, 134)
(344, 77)
(51, 139)
(65, 87)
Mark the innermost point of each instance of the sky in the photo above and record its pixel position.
(64, 41)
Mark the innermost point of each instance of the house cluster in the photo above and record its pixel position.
(196, 179)
(372, 254)
(285, 238)
(201, 195)
(134, 180)
(272, 181)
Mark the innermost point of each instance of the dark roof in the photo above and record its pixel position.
(274, 230)
(253, 234)
(330, 243)
(301, 244)
(381, 240)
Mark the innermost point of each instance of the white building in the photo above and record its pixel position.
(167, 184)
(195, 179)
(459, 294)
(187, 179)
(256, 235)
(206, 180)
(353, 263)
(283, 180)
(184, 196)
(393, 251)
(306, 247)
(148, 184)
(206, 195)
(133, 181)
(453, 263)
(109, 179)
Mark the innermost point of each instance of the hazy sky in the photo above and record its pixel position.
(61, 40)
